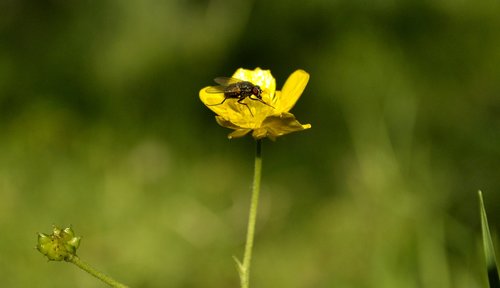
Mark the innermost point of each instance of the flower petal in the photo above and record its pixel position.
(210, 99)
(292, 90)
(260, 133)
(238, 133)
(226, 123)
(279, 125)
(263, 78)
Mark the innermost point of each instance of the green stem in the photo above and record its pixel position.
(101, 276)
(244, 268)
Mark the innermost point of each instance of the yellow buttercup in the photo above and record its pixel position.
(267, 117)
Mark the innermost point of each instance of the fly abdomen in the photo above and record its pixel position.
(233, 91)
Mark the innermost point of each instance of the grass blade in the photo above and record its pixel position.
(489, 250)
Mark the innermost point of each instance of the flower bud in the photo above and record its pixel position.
(60, 245)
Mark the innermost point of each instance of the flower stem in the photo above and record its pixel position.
(101, 276)
(244, 268)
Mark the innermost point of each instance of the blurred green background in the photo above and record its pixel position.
(101, 128)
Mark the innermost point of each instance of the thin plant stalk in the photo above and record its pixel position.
(99, 275)
(244, 268)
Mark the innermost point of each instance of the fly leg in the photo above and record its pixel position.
(241, 99)
(261, 101)
(225, 98)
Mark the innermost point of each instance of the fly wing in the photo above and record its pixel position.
(226, 81)
(215, 89)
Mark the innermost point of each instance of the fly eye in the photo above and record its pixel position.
(256, 91)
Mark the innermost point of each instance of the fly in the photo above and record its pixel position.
(237, 89)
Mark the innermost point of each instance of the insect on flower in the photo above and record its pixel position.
(237, 89)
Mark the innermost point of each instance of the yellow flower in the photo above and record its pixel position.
(267, 118)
